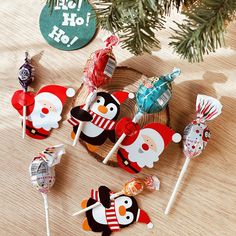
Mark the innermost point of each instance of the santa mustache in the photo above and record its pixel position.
(42, 117)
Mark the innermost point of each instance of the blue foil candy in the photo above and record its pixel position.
(154, 93)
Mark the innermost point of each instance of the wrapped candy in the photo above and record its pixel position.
(98, 71)
(196, 135)
(152, 96)
(25, 77)
(42, 173)
(130, 188)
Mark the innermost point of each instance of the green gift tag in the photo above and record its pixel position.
(69, 26)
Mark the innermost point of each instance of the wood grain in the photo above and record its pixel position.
(206, 202)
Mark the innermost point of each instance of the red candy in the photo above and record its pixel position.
(101, 65)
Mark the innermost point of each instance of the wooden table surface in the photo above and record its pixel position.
(206, 202)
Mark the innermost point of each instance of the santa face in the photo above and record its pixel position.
(45, 114)
(145, 150)
(104, 108)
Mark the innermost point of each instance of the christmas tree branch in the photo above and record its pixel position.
(134, 21)
(203, 30)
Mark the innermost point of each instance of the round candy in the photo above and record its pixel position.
(42, 176)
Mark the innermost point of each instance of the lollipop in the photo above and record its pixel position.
(196, 136)
(98, 71)
(130, 188)
(152, 96)
(42, 173)
(26, 77)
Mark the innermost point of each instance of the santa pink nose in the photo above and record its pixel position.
(145, 146)
(45, 110)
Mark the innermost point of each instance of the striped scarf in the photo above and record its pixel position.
(97, 120)
(112, 221)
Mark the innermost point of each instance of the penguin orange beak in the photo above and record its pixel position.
(122, 210)
(102, 109)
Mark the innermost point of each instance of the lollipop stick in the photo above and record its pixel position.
(120, 140)
(87, 209)
(112, 197)
(89, 100)
(24, 122)
(173, 195)
(117, 144)
(80, 127)
(45, 198)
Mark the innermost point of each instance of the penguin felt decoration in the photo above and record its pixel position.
(112, 215)
(100, 120)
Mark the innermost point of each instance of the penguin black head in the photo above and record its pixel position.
(126, 210)
(106, 106)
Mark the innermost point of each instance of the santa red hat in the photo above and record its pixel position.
(121, 96)
(143, 217)
(166, 133)
(56, 94)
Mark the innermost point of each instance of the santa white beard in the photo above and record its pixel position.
(141, 157)
(45, 121)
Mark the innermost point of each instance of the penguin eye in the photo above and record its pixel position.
(126, 202)
(111, 109)
(127, 217)
(98, 101)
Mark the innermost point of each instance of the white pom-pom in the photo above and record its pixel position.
(176, 138)
(150, 225)
(70, 92)
(131, 95)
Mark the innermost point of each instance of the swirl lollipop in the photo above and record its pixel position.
(152, 96)
(196, 136)
(98, 71)
(42, 173)
(130, 188)
(25, 77)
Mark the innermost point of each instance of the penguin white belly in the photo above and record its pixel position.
(99, 215)
(92, 130)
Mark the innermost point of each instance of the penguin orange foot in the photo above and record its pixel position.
(91, 148)
(84, 203)
(85, 225)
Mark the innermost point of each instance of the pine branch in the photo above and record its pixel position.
(203, 30)
(135, 21)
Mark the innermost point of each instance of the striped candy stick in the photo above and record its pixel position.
(131, 188)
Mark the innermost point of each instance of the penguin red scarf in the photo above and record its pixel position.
(111, 218)
(97, 120)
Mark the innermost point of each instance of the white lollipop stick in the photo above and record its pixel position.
(24, 122)
(112, 197)
(45, 198)
(119, 141)
(173, 195)
(88, 102)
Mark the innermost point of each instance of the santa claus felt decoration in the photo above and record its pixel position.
(142, 147)
(100, 120)
(44, 110)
